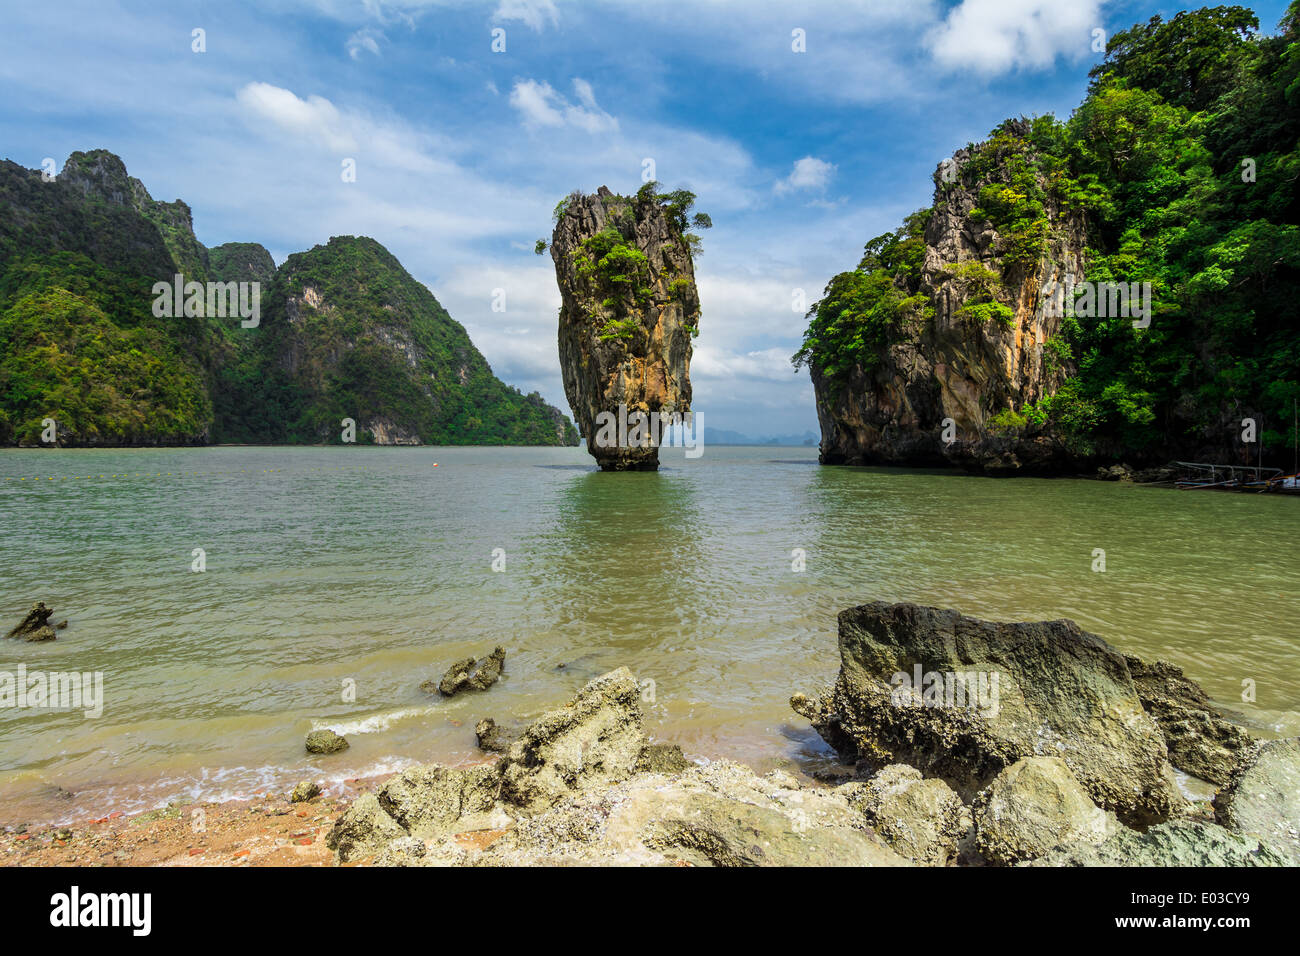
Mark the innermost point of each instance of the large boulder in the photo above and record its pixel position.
(1032, 807)
(35, 627)
(1263, 798)
(1175, 843)
(704, 830)
(719, 815)
(990, 694)
(426, 802)
(594, 740)
(1199, 740)
(920, 819)
(426, 799)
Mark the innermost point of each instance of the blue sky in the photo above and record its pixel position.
(461, 152)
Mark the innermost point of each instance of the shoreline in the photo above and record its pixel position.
(265, 829)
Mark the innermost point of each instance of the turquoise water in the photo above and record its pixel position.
(369, 567)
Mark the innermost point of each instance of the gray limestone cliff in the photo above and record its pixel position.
(976, 343)
(630, 309)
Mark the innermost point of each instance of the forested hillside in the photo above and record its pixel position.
(342, 332)
(1181, 170)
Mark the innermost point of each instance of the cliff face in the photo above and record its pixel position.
(947, 388)
(99, 175)
(630, 309)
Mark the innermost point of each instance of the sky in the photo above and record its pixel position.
(804, 129)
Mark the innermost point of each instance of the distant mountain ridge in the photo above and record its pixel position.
(344, 333)
(723, 436)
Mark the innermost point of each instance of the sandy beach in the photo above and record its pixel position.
(264, 830)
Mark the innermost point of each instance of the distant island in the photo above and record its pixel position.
(723, 436)
(119, 328)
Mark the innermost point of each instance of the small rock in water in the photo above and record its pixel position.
(325, 742)
(490, 736)
(462, 674)
(35, 627)
(305, 791)
(489, 671)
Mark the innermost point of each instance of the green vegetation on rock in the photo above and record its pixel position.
(1183, 162)
(79, 343)
(864, 311)
(366, 341)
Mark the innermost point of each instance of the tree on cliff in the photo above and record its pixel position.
(629, 311)
(1182, 163)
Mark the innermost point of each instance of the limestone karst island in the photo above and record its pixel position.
(522, 434)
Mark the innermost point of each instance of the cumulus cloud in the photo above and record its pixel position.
(808, 173)
(998, 36)
(533, 13)
(314, 118)
(541, 105)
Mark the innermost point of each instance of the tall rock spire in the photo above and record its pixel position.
(630, 309)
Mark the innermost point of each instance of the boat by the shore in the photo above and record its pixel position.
(1199, 476)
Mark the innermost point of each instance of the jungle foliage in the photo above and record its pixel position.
(1184, 162)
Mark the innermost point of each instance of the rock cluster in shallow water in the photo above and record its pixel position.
(1068, 769)
(35, 627)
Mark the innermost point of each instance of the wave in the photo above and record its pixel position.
(375, 723)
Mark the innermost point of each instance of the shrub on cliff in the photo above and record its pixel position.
(1182, 161)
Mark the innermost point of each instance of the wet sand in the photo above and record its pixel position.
(265, 830)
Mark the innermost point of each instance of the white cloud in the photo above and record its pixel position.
(367, 40)
(314, 118)
(386, 143)
(997, 36)
(541, 105)
(586, 95)
(533, 100)
(808, 173)
(533, 13)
